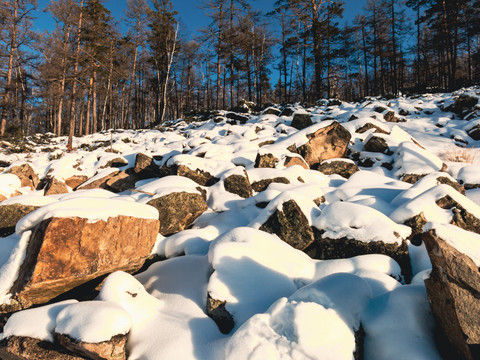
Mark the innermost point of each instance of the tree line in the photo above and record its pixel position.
(93, 72)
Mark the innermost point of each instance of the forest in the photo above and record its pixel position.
(93, 72)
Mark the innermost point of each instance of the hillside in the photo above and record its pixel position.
(337, 231)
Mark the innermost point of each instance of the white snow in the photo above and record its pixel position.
(399, 325)
(358, 222)
(93, 321)
(9, 183)
(38, 323)
(88, 208)
(12, 253)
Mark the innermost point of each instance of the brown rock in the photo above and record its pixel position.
(178, 210)
(291, 225)
(114, 349)
(326, 143)
(2, 198)
(25, 348)
(100, 183)
(54, 187)
(117, 162)
(369, 126)
(66, 252)
(294, 160)
(217, 311)
(474, 132)
(10, 215)
(267, 142)
(26, 174)
(240, 185)
(76, 180)
(416, 223)
(265, 161)
(325, 248)
(271, 111)
(122, 181)
(463, 105)
(261, 185)
(201, 177)
(145, 167)
(390, 117)
(377, 144)
(301, 121)
(287, 112)
(445, 180)
(453, 290)
(342, 168)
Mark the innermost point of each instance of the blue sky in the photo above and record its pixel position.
(191, 15)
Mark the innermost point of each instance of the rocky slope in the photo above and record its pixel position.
(300, 232)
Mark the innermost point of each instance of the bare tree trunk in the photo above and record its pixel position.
(89, 102)
(170, 61)
(94, 101)
(73, 107)
(11, 54)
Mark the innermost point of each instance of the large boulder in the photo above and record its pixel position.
(342, 167)
(65, 252)
(26, 174)
(10, 214)
(145, 167)
(238, 183)
(178, 210)
(463, 105)
(291, 225)
(266, 160)
(54, 186)
(453, 287)
(345, 230)
(301, 120)
(325, 143)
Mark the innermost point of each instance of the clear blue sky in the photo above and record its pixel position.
(192, 16)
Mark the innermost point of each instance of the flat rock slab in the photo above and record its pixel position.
(66, 252)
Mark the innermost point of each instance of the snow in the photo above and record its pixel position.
(469, 175)
(251, 259)
(358, 222)
(9, 183)
(38, 323)
(124, 290)
(89, 208)
(93, 321)
(426, 203)
(12, 253)
(31, 200)
(399, 325)
(293, 330)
